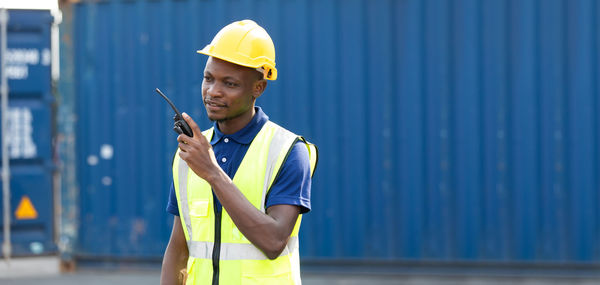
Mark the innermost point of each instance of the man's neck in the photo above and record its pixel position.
(231, 126)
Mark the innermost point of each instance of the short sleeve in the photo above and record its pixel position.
(293, 184)
(172, 207)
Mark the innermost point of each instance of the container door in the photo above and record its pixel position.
(30, 124)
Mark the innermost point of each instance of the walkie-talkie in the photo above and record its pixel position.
(180, 126)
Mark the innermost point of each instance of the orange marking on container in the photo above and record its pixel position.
(26, 210)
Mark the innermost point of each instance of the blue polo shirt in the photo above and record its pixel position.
(292, 186)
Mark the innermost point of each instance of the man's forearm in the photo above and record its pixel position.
(176, 255)
(173, 262)
(264, 231)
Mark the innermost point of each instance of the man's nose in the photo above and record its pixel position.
(214, 90)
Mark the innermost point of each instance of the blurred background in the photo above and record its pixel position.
(459, 140)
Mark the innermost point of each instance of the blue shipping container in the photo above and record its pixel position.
(30, 125)
(449, 131)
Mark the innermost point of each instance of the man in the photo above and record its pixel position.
(240, 188)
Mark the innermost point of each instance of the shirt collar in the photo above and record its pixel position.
(247, 133)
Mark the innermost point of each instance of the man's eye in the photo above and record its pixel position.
(207, 78)
(231, 84)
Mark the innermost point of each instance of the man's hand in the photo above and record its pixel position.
(197, 152)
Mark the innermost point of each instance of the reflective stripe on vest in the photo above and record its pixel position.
(235, 251)
(267, 153)
(184, 207)
(277, 144)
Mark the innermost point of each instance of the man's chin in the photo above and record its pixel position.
(217, 118)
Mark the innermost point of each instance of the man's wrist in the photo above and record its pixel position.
(216, 176)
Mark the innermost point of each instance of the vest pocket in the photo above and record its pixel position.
(285, 278)
(200, 220)
(267, 272)
(199, 208)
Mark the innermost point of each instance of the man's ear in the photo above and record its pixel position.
(259, 88)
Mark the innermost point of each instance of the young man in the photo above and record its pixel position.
(239, 188)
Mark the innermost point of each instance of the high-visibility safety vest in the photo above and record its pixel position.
(218, 252)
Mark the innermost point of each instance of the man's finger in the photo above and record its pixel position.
(193, 125)
(184, 147)
(183, 155)
(184, 139)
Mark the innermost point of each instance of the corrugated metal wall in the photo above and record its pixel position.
(448, 130)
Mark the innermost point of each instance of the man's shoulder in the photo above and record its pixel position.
(299, 149)
(281, 129)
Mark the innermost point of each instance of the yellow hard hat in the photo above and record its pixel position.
(244, 43)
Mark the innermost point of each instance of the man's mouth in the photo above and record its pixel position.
(214, 104)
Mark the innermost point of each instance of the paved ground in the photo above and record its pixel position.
(140, 277)
(44, 270)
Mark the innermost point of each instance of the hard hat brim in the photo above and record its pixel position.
(270, 72)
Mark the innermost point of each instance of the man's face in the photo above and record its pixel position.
(228, 90)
